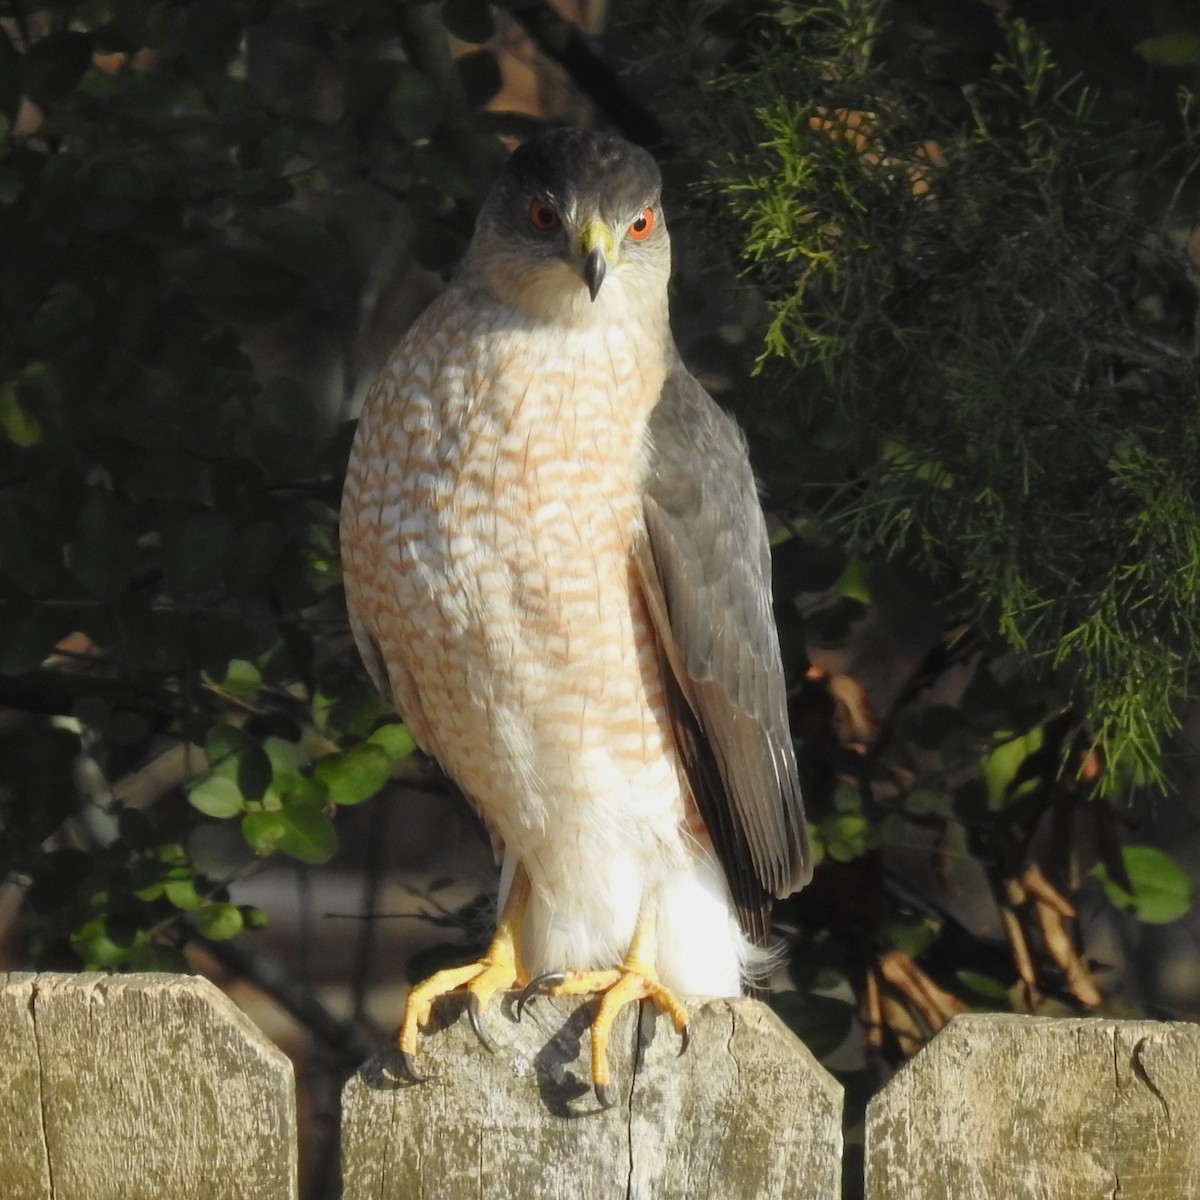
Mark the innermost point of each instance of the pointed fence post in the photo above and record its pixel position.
(1002, 1107)
(139, 1087)
(746, 1114)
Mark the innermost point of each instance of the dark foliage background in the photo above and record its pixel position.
(957, 247)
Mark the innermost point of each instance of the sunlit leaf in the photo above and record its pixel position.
(395, 740)
(1001, 768)
(242, 678)
(355, 774)
(219, 921)
(1162, 890)
(983, 985)
(98, 950)
(217, 796)
(303, 832)
(182, 893)
(855, 583)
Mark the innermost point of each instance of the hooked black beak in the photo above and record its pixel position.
(592, 254)
(594, 267)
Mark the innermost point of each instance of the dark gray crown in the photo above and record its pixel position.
(582, 169)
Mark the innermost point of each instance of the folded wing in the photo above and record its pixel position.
(705, 566)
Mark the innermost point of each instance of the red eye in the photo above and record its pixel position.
(642, 226)
(543, 218)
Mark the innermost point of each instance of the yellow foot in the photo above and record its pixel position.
(499, 968)
(633, 980)
(495, 971)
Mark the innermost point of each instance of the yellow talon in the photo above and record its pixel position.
(634, 980)
(499, 968)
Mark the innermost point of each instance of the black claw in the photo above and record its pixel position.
(410, 1068)
(475, 1016)
(685, 1040)
(534, 986)
(604, 1095)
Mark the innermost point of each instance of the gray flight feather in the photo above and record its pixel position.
(706, 572)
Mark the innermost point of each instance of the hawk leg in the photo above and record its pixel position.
(634, 979)
(499, 969)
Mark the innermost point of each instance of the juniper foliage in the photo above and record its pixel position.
(989, 304)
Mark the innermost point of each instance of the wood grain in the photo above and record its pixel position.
(745, 1114)
(1029, 1108)
(142, 1087)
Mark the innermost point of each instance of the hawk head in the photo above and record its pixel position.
(573, 229)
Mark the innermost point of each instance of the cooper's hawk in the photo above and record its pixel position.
(557, 567)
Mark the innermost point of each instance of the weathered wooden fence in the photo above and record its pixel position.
(155, 1087)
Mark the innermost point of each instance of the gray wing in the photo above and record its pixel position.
(706, 573)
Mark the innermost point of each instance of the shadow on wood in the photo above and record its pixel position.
(745, 1114)
(1002, 1107)
(143, 1087)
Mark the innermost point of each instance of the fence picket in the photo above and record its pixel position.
(1001, 1107)
(746, 1114)
(139, 1087)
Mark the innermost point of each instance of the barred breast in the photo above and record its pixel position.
(492, 499)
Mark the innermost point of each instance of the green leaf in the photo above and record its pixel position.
(217, 796)
(1162, 891)
(264, 830)
(242, 678)
(286, 757)
(98, 951)
(395, 740)
(182, 893)
(223, 745)
(310, 835)
(219, 921)
(302, 831)
(855, 583)
(846, 837)
(172, 852)
(253, 917)
(356, 774)
(911, 935)
(19, 426)
(982, 985)
(287, 761)
(1001, 768)
(1179, 49)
